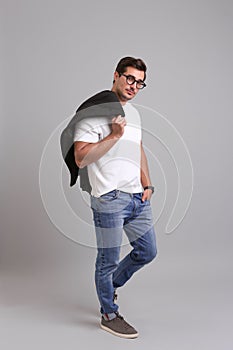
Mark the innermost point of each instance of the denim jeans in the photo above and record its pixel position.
(114, 212)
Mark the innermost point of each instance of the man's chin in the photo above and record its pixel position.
(124, 97)
(128, 96)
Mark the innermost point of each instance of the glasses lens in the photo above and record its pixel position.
(140, 85)
(130, 79)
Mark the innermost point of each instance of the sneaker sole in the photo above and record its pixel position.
(122, 335)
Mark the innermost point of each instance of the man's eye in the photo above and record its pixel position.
(131, 79)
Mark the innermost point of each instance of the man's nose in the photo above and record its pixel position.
(134, 85)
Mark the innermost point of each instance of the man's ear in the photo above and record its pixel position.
(116, 75)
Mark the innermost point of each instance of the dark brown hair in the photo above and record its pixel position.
(131, 62)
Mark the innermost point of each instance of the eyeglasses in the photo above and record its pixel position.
(130, 79)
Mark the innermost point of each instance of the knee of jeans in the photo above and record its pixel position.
(145, 255)
(152, 254)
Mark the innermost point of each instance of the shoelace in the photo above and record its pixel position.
(126, 325)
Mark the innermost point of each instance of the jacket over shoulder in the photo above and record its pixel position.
(103, 104)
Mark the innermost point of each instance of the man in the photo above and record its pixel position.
(121, 191)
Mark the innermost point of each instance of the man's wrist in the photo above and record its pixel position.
(149, 188)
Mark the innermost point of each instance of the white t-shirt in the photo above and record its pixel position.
(119, 168)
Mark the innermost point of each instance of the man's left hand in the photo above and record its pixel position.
(146, 196)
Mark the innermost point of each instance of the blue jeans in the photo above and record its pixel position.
(114, 212)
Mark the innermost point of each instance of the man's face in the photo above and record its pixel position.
(125, 91)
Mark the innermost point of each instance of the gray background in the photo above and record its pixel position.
(54, 54)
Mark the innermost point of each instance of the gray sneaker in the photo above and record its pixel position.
(118, 326)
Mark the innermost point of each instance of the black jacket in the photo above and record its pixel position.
(103, 104)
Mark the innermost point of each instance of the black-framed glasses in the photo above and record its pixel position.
(130, 79)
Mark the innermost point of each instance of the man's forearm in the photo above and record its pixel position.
(91, 152)
(86, 153)
(145, 177)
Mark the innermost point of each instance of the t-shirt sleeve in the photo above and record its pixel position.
(86, 131)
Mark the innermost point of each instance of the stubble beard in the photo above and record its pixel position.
(123, 97)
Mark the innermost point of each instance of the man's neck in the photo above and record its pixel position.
(123, 103)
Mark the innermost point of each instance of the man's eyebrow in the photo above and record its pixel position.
(130, 75)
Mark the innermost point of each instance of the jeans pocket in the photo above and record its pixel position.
(139, 197)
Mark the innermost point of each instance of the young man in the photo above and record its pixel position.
(120, 192)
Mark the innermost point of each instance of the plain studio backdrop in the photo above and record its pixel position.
(55, 54)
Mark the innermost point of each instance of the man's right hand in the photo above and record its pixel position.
(118, 126)
(85, 152)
